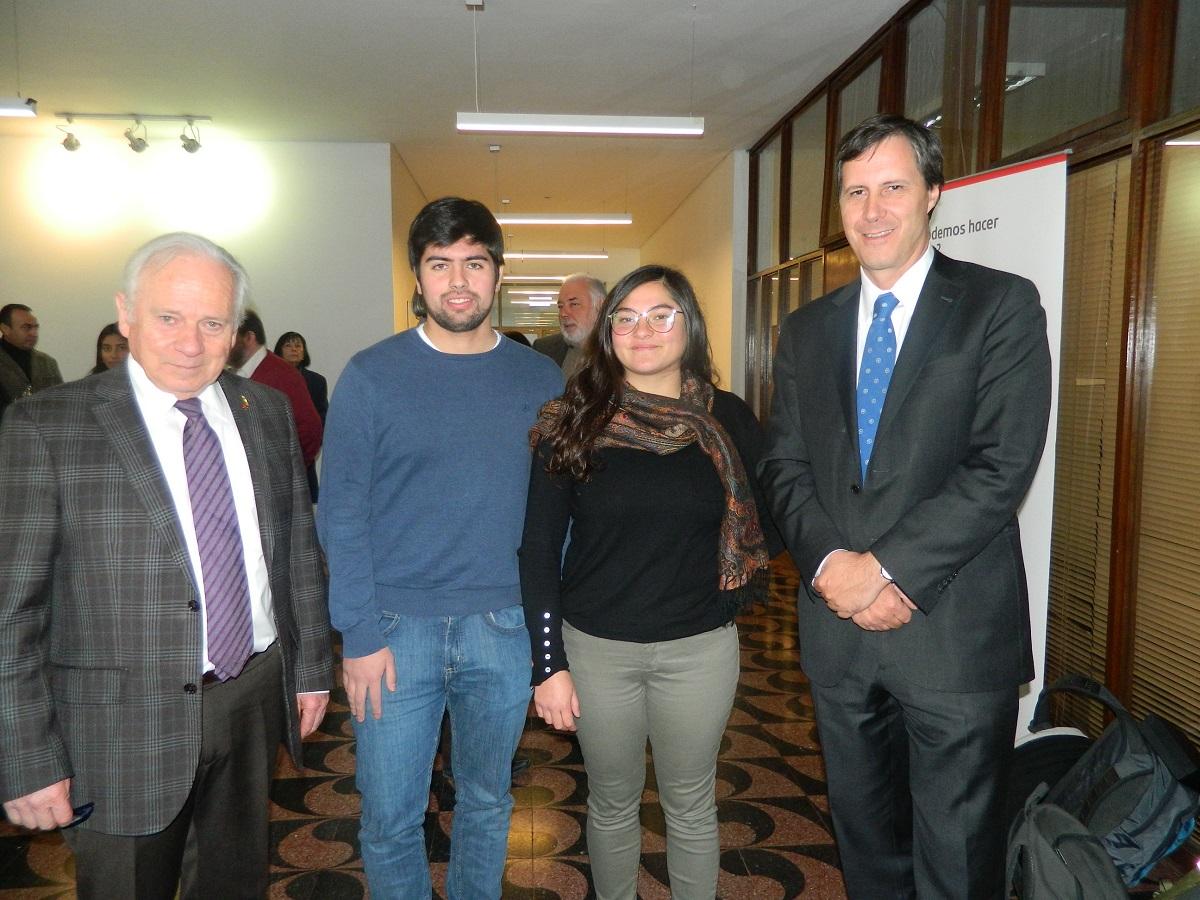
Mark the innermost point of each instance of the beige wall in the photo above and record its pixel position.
(311, 222)
(407, 200)
(699, 239)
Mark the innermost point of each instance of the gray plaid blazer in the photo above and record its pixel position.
(100, 635)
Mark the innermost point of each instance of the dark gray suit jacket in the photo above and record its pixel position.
(554, 346)
(959, 440)
(100, 634)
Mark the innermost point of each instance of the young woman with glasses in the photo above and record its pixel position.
(646, 472)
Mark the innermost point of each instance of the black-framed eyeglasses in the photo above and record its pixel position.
(660, 319)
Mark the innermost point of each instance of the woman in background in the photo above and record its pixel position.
(292, 347)
(651, 469)
(111, 349)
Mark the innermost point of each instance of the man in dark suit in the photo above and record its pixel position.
(24, 370)
(897, 492)
(579, 302)
(162, 602)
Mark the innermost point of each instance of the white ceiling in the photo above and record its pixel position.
(396, 71)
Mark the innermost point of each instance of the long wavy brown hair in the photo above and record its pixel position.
(594, 392)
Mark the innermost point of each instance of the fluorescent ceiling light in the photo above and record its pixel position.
(542, 292)
(564, 219)
(555, 255)
(18, 107)
(1180, 143)
(539, 303)
(525, 279)
(529, 123)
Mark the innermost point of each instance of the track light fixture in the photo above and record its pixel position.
(137, 143)
(136, 135)
(70, 143)
(190, 137)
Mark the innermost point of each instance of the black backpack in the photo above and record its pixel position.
(1134, 789)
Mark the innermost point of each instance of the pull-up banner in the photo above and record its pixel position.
(1014, 219)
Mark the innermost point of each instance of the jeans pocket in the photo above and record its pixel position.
(509, 620)
(388, 622)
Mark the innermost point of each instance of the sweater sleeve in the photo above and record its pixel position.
(343, 521)
(547, 516)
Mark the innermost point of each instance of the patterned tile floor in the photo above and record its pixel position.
(775, 830)
(774, 827)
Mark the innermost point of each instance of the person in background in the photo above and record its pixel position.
(251, 359)
(24, 370)
(579, 301)
(292, 348)
(111, 349)
(650, 469)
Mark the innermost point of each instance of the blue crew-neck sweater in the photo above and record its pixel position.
(424, 479)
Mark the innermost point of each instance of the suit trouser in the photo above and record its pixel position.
(227, 810)
(916, 782)
(678, 693)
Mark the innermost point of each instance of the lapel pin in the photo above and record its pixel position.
(245, 403)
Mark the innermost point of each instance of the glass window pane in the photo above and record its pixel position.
(1064, 68)
(1185, 81)
(943, 63)
(925, 64)
(858, 100)
(808, 179)
(766, 253)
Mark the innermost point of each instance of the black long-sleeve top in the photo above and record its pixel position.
(641, 564)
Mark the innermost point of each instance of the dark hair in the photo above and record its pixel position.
(926, 146)
(447, 221)
(107, 331)
(8, 309)
(252, 324)
(594, 392)
(514, 335)
(293, 336)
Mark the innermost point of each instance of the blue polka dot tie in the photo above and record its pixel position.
(879, 358)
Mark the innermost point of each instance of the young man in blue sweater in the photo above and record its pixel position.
(423, 489)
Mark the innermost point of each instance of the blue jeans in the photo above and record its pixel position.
(476, 666)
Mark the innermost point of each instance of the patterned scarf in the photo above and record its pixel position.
(664, 425)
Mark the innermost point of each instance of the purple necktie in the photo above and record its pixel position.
(226, 594)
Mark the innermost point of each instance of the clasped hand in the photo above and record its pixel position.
(852, 586)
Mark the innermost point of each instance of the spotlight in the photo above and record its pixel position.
(70, 142)
(136, 144)
(190, 141)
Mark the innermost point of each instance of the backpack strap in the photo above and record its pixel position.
(1074, 683)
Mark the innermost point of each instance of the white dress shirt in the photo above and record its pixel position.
(248, 367)
(164, 424)
(906, 290)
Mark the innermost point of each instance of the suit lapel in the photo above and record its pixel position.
(249, 427)
(939, 296)
(841, 335)
(120, 420)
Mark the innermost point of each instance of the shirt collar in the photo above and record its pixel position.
(907, 288)
(153, 400)
(421, 333)
(247, 368)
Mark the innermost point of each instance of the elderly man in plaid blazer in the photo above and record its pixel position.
(163, 622)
